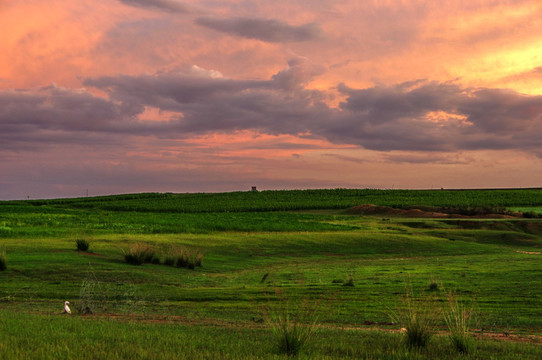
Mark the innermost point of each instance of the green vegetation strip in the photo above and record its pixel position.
(362, 266)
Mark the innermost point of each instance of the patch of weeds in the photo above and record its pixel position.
(459, 318)
(292, 323)
(82, 244)
(417, 317)
(186, 258)
(531, 215)
(350, 280)
(3, 257)
(182, 257)
(139, 253)
(92, 297)
(433, 286)
(169, 260)
(130, 301)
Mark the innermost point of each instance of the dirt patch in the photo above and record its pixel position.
(438, 213)
(91, 254)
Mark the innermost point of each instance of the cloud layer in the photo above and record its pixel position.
(418, 115)
(158, 95)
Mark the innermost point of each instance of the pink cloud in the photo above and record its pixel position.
(135, 94)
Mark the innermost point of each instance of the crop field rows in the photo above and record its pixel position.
(340, 276)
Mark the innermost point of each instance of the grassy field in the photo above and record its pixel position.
(267, 250)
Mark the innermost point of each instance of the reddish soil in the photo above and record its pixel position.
(91, 254)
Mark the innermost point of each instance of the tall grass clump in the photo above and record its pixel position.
(184, 258)
(3, 257)
(82, 244)
(92, 296)
(138, 254)
(459, 319)
(417, 317)
(292, 323)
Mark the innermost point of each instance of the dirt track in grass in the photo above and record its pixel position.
(258, 323)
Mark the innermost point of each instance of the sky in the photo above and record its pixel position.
(123, 96)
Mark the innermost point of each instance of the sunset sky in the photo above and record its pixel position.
(123, 96)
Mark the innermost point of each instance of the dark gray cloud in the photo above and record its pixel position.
(204, 103)
(30, 118)
(270, 30)
(57, 108)
(417, 115)
(399, 118)
(164, 5)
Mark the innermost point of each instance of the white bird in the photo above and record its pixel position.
(67, 308)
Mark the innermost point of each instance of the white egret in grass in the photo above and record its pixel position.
(67, 308)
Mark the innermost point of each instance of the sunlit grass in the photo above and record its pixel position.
(246, 255)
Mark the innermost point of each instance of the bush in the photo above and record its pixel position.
(138, 254)
(169, 260)
(3, 265)
(82, 244)
(349, 281)
(433, 286)
(184, 258)
(530, 215)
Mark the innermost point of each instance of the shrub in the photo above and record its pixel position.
(182, 258)
(185, 258)
(418, 317)
(82, 244)
(169, 260)
(459, 319)
(138, 254)
(433, 286)
(3, 265)
(198, 259)
(349, 281)
(530, 215)
(292, 324)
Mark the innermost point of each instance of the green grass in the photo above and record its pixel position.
(32, 336)
(215, 311)
(294, 200)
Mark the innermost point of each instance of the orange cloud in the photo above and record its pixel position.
(269, 92)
